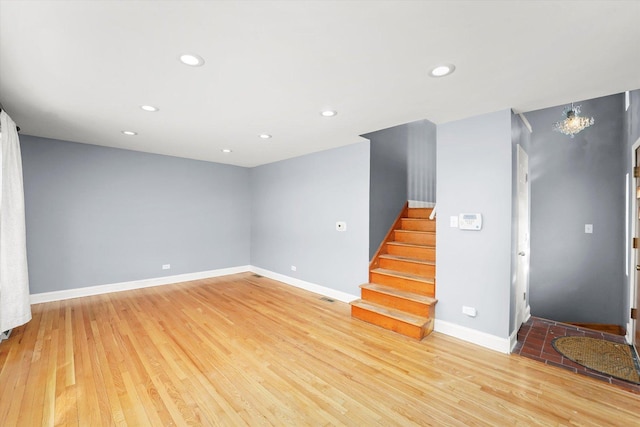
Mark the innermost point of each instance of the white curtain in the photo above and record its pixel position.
(15, 309)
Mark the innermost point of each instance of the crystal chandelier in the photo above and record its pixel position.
(573, 122)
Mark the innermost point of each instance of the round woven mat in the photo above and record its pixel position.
(603, 356)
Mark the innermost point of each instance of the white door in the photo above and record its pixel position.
(522, 268)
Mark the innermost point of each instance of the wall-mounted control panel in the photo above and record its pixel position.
(470, 221)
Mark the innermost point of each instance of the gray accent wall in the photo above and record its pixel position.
(99, 215)
(421, 161)
(388, 189)
(632, 119)
(578, 277)
(295, 206)
(474, 267)
(403, 167)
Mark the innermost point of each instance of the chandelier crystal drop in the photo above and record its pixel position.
(573, 123)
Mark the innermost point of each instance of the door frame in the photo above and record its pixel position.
(630, 253)
(522, 301)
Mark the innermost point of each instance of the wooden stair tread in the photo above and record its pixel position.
(402, 316)
(404, 258)
(415, 231)
(417, 245)
(403, 275)
(399, 293)
(423, 213)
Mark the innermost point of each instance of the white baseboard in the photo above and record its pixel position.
(513, 340)
(135, 284)
(311, 287)
(419, 204)
(167, 280)
(628, 337)
(492, 342)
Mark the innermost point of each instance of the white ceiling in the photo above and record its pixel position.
(80, 70)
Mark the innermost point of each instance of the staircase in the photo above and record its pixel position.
(401, 289)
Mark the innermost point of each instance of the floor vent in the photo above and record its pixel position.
(327, 299)
(257, 275)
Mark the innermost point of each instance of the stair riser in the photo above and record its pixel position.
(418, 225)
(413, 307)
(419, 238)
(427, 254)
(408, 267)
(419, 212)
(391, 324)
(421, 288)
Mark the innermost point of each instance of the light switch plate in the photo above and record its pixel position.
(588, 228)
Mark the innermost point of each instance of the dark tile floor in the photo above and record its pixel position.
(534, 342)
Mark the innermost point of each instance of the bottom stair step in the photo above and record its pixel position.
(395, 320)
(410, 302)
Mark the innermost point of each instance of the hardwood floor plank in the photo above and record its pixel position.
(109, 374)
(48, 406)
(15, 371)
(246, 350)
(35, 392)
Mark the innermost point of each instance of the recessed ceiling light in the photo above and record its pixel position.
(226, 150)
(129, 132)
(329, 113)
(192, 60)
(442, 70)
(265, 136)
(149, 108)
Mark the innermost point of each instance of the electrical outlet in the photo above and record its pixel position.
(294, 268)
(166, 266)
(588, 228)
(469, 311)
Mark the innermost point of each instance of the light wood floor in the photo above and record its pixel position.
(242, 350)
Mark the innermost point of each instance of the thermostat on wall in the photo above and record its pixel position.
(470, 221)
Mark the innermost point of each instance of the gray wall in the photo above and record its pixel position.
(99, 215)
(388, 189)
(295, 205)
(474, 267)
(403, 167)
(631, 130)
(578, 277)
(520, 135)
(421, 161)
